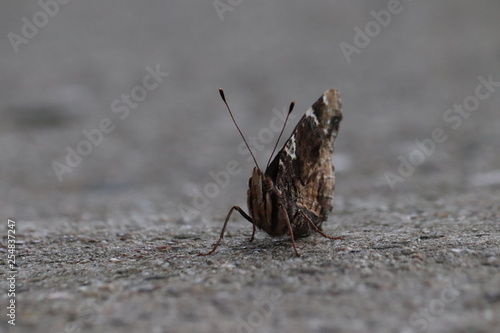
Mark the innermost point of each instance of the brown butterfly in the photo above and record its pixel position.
(295, 194)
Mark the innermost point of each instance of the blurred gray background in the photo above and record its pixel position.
(65, 78)
(66, 68)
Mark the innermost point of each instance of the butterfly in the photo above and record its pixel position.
(294, 194)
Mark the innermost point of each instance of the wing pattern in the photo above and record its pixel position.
(304, 169)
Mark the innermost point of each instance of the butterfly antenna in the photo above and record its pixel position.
(292, 105)
(221, 92)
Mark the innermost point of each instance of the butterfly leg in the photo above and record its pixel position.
(311, 223)
(245, 215)
(283, 215)
(253, 232)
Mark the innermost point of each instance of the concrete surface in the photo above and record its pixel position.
(110, 244)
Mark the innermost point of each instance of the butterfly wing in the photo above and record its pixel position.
(303, 168)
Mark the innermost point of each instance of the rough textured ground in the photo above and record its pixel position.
(110, 247)
(404, 269)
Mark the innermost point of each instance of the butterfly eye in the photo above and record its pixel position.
(267, 184)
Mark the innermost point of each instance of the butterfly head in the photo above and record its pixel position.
(259, 182)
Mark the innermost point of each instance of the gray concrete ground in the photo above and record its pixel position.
(108, 163)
